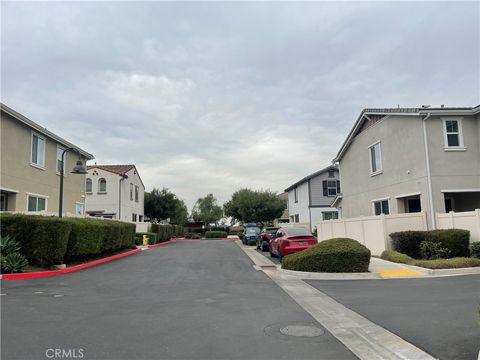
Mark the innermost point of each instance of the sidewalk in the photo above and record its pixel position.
(388, 269)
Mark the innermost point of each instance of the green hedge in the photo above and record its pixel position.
(215, 234)
(165, 232)
(152, 238)
(51, 240)
(455, 240)
(42, 240)
(334, 255)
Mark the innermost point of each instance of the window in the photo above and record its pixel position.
(38, 150)
(36, 203)
(295, 195)
(453, 134)
(295, 218)
(88, 186)
(131, 192)
(329, 215)
(331, 187)
(375, 159)
(381, 207)
(102, 185)
(134, 217)
(59, 160)
(79, 208)
(331, 173)
(136, 193)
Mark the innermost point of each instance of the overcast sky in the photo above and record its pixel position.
(212, 97)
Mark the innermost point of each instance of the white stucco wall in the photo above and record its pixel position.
(110, 201)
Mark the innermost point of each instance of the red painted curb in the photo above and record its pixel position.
(31, 275)
(159, 244)
(174, 239)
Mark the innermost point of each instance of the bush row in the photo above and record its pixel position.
(50, 240)
(334, 255)
(215, 234)
(457, 241)
(165, 232)
(456, 262)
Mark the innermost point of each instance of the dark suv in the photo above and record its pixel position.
(263, 240)
(250, 233)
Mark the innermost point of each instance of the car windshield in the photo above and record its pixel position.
(253, 230)
(298, 232)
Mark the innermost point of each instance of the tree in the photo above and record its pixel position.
(207, 210)
(163, 204)
(254, 206)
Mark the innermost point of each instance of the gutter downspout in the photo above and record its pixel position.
(120, 196)
(429, 177)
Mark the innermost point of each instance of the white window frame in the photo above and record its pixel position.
(331, 213)
(461, 144)
(372, 146)
(91, 181)
(100, 191)
(330, 187)
(56, 163)
(381, 200)
(83, 206)
(37, 196)
(38, 166)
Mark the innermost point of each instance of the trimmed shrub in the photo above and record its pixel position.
(51, 240)
(252, 242)
(453, 263)
(408, 242)
(334, 255)
(215, 234)
(455, 240)
(430, 250)
(152, 238)
(165, 232)
(475, 249)
(42, 239)
(396, 256)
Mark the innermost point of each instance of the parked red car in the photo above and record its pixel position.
(291, 240)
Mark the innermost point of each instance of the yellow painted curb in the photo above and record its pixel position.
(399, 272)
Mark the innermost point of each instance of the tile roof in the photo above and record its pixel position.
(116, 169)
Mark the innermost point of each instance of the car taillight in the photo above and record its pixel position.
(287, 241)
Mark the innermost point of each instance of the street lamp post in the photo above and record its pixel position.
(78, 169)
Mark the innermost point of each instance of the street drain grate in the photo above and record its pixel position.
(301, 330)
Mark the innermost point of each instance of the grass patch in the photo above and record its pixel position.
(395, 256)
(453, 263)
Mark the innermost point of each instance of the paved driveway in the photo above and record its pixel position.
(187, 300)
(437, 315)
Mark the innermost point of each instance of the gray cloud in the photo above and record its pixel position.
(212, 97)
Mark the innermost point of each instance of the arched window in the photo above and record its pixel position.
(88, 186)
(102, 185)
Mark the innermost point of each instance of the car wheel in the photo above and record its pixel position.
(271, 252)
(264, 248)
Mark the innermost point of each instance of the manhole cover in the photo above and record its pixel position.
(301, 330)
(295, 330)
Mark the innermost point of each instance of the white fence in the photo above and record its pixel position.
(468, 220)
(372, 231)
(295, 225)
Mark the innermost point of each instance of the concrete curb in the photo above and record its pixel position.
(38, 274)
(329, 276)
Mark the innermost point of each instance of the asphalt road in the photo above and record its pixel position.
(187, 300)
(437, 315)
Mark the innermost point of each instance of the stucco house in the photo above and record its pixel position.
(115, 192)
(403, 160)
(309, 199)
(30, 168)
